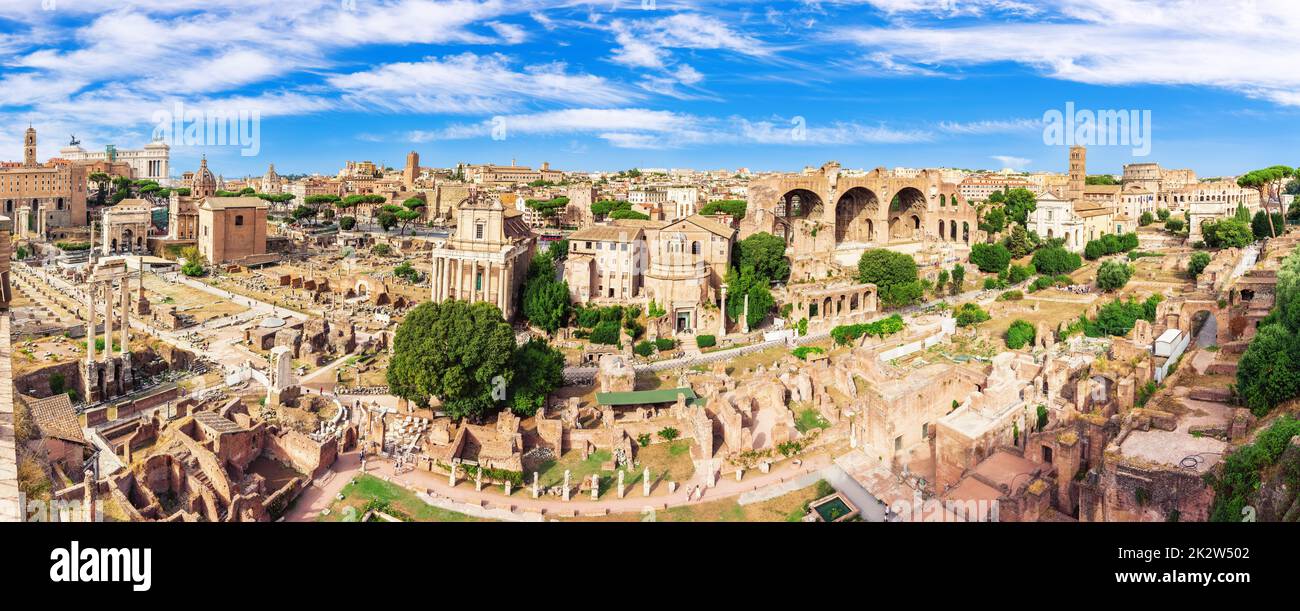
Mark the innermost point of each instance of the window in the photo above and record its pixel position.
(239, 220)
(478, 231)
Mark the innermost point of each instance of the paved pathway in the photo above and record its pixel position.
(520, 506)
(320, 493)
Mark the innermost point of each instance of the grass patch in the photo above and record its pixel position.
(368, 491)
(809, 419)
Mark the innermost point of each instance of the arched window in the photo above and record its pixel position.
(695, 248)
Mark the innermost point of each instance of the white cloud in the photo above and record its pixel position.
(658, 129)
(469, 83)
(1120, 42)
(1014, 163)
(994, 126)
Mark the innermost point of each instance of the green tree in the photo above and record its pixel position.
(539, 370)
(894, 275)
(968, 314)
(747, 282)
(1020, 334)
(734, 207)
(1056, 260)
(1227, 233)
(456, 351)
(1019, 242)
(765, 253)
(546, 299)
(1113, 275)
(1197, 263)
(1262, 227)
(994, 220)
(1269, 371)
(1018, 203)
(195, 262)
(958, 278)
(990, 258)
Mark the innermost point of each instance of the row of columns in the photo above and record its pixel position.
(105, 288)
(449, 274)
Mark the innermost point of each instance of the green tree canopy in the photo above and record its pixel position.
(539, 370)
(455, 351)
(765, 253)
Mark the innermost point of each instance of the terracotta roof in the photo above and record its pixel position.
(222, 203)
(607, 233)
(708, 224)
(54, 417)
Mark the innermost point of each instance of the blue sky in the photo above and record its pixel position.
(612, 85)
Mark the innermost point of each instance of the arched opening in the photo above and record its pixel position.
(127, 238)
(1205, 328)
(852, 212)
(943, 234)
(965, 232)
(796, 204)
(909, 204)
(953, 233)
(695, 248)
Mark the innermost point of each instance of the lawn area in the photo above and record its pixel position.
(368, 490)
(667, 461)
(789, 507)
(551, 472)
(808, 419)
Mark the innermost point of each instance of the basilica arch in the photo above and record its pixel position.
(874, 208)
(853, 214)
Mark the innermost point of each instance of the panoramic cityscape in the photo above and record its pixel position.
(461, 261)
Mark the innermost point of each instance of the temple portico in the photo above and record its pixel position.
(108, 375)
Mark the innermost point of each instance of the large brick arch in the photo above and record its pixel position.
(1186, 315)
(858, 206)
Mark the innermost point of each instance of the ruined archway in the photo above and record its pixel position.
(796, 204)
(853, 214)
(906, 210)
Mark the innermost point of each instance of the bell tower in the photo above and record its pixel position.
(29, 147)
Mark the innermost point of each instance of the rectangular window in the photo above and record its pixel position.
(478, 231)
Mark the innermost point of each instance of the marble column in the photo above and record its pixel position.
(722, 309)
(108, 319)
(90, 322)
(126, 315)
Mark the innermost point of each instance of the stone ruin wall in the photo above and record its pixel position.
(301, 452)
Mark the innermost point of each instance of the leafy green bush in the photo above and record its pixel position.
(1011, 296)
(665, 344)
(802, 352)
(990, 258)
(1020, 334)
(1113, 275)
(605, 333)
(668, 433)
(1174, 225)
(844, 334)
(1197, 263)
(1240, 479)
(706, 341)
(1018, 273)
(644, 348)
(894, 275)
(1056, 260)
(971, 314)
